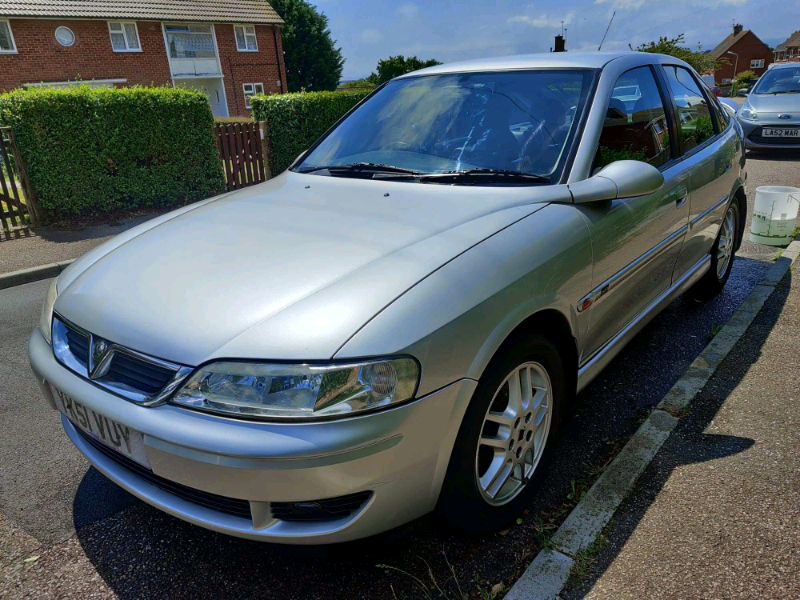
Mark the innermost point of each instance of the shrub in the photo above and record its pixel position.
(93, 150)
(296, 121)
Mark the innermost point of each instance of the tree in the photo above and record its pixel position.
(313, 62)
(394, 66)
(701, 62)
(742, 80)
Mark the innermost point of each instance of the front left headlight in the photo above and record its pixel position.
(276, 391)
(46, 318)
(748, 114)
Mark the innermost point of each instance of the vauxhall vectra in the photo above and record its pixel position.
(399, 323)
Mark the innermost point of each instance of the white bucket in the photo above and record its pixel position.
(774, 215)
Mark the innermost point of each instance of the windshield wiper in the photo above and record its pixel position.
(485, 174)
(360, 167)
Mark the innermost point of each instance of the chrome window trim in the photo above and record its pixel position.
(95, 373)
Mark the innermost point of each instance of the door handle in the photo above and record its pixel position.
(682, 194)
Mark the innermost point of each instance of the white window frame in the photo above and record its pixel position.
(244, 32)
(757, 63)
(125, 35)
(254, 92)
(727, 81)
(10, 35)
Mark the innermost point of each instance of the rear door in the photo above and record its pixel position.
(636, 241)
(708, 146)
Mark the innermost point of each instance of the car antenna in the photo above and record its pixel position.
(607, 28)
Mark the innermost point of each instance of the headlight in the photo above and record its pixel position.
(304, 391)
(748, 114)
(46, 319)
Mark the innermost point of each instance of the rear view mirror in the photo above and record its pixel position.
(620, 179)
(730, 106)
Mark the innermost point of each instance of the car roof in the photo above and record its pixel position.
(544, 60)
(783, 65)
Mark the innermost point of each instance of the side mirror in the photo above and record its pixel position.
(743, 93)
(730, 106)
(620, 179)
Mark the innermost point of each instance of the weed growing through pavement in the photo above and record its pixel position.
(584, 560)
(715, 329)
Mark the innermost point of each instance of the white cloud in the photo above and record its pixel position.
(371, 36)
(409, 11)
(543, 20)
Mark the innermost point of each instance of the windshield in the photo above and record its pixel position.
(783, 80)
(516, 121)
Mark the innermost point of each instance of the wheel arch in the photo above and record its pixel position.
(740, 197)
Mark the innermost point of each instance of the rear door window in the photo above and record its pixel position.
(694, 114)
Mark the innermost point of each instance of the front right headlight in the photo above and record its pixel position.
(299, 391)
(748, 114)
(46, 318)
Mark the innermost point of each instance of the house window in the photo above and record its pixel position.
(190, 41)
(245, 38)
(124, 36)
(64, 36)
(251, 89)
(726, 81)
(757, 63)
(6, 39)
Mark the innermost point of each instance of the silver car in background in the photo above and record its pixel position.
(770, 117)
(399, 323)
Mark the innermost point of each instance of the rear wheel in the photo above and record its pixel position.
(723, 253)
(506, 439)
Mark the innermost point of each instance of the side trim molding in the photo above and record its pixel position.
(605, 355)
(706, 212)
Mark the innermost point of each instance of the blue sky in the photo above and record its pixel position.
(446, 30)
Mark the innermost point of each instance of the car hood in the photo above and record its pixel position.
(772, 103)
(289, 269)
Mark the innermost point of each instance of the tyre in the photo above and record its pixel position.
(507, 437)
(723, 253)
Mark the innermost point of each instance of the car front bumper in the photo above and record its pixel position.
(754, 141)
(399, 455)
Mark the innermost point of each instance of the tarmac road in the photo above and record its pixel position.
(92, 537)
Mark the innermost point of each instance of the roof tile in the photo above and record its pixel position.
(226, 11)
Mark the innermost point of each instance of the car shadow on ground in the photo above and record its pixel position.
(141, 552)
(695, 445)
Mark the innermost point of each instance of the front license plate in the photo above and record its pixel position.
(781, 133)
(108, 432)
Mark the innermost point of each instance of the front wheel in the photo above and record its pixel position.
(722, 256)
(506, 438)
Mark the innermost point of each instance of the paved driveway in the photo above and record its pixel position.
(90, 536)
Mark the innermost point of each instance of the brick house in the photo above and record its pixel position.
(228, 49)
(789, 51)
(744, 52)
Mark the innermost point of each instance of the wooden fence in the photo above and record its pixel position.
(17, 205)
(243, 154)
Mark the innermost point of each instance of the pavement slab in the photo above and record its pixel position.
(717, 513)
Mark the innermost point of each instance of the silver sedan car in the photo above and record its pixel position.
(400, 322)
(770, 117)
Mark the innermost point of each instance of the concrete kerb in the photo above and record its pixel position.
(23, 276)
(547, 575)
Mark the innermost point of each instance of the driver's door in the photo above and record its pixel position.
(635, 241)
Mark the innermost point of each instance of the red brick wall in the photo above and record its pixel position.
(41, 58)
(264, 66)
(748, 48)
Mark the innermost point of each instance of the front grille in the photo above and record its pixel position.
(223, 504)
(78, 345)
(320, 510)
(756, 136)
(125, 372)
(138, 374)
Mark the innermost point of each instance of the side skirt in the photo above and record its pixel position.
(606, 354)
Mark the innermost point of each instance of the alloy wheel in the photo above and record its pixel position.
(514, 433)
(727, 236)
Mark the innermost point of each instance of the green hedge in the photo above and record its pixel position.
(93, 150)
(296, 121)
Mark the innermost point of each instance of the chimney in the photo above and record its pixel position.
(737, 29)
(559, 44)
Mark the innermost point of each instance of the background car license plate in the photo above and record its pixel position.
(780, 132)
(116, 436)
